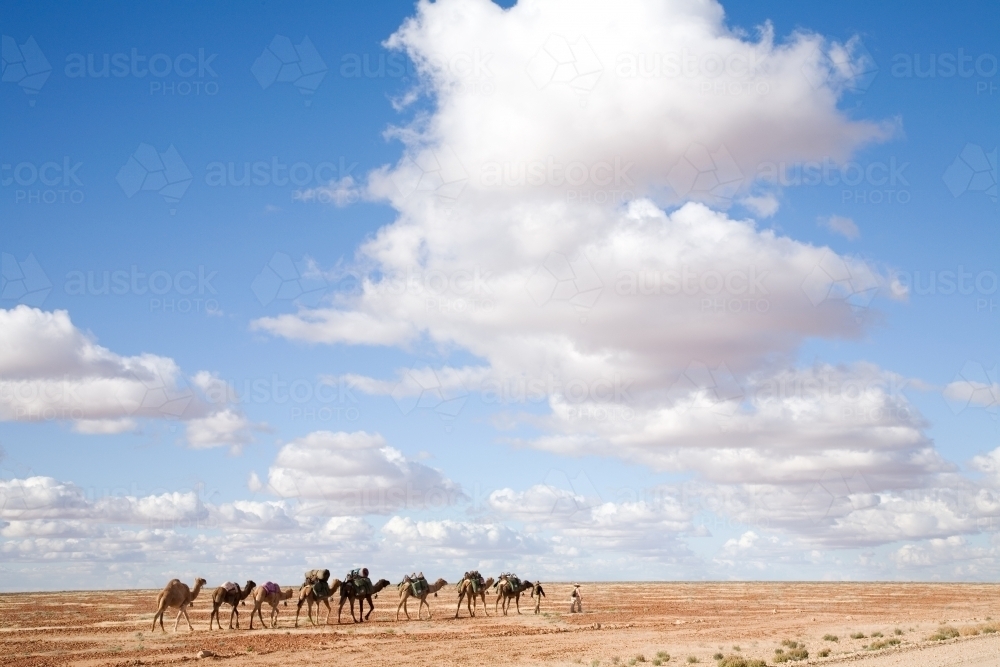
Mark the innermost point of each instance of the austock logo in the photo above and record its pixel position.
(974, 170)
(25, 65)
(283, 62)
(566, 279)
(562, 62)
(149, 170)
(23, 282)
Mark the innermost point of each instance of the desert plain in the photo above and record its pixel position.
(623, 623)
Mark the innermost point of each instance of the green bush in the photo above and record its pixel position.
(831, 638)
(943, 633)
(883, 643)
(858, 635)
(797, 653)
(740, 661)
(718, 656)
(876, 634)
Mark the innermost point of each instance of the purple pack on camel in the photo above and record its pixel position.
(271, 588)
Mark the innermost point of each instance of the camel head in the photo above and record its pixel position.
(286, 594)
(380, 584)
(334, 585)
(489, 582)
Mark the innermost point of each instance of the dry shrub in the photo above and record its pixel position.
(943, 633)
(740, 661)
(795, 652)
(883, 643)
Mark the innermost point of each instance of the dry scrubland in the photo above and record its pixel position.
(623, 624)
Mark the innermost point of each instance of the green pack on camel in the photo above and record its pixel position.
(362, 583)
(417, 583)
(418, 586)
(320, 582)
(475, 580)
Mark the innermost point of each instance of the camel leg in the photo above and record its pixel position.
(235, 613)
(298, 608)
(400, 606)
(328, 611)
(187, 618)
(496, 603)
(371, 608)
(340, 608)
(256, 609)
(158, 614)
(423, 602)
(178, 618)
(459, 606)
(517, 601)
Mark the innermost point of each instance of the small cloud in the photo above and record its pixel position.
(103, 426)
(764, 206)
(842, 226)
(337, 192)
(254, 483)
(271, 208)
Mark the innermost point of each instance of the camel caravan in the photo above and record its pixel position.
(317, 588)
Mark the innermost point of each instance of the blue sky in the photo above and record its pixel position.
(672, 476)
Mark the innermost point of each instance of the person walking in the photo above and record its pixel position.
(538, 594)
(576, 600)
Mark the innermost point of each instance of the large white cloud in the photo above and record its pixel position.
(52, 371)
(652, 334)
(355, 474)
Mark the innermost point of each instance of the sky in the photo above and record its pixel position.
(595, 290)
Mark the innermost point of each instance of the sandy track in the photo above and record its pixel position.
(621, 620)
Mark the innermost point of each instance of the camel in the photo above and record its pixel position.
(307, 595)
(176, 594)
(230, 596)
(505, 591)
(349, 591)
(466, 591)
(406, 591)
(538, 594)
(271, 594)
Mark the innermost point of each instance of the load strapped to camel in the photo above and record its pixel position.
(475, 580)
(312, 576)
(418, 586)
(271, 588)
(231, 586)
(511, 579)
(319, 580)
(418, 583)
(361, 583)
